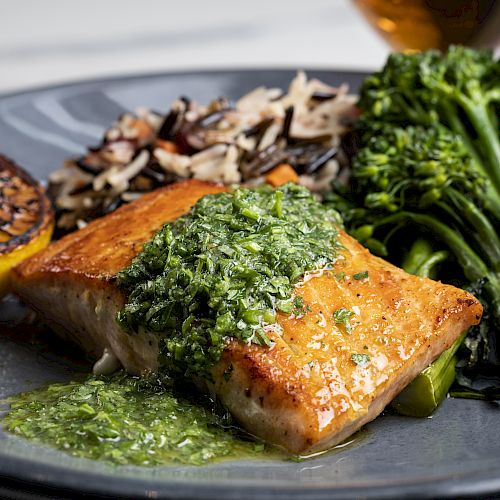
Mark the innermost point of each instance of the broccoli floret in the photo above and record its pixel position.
(417, 167)
(429, 159)
(426, 176)
(459, 90)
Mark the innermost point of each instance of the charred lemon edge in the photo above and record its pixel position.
(35, 238)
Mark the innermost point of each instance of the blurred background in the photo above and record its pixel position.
(57, 40)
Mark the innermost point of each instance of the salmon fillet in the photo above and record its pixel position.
(305, 393)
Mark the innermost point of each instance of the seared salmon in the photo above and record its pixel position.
(319, 382)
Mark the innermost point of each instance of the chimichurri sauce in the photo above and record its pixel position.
(224, 270)
(124, 420)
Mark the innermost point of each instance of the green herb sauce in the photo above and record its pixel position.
(221, 271)
(224, 270)
(124, 420)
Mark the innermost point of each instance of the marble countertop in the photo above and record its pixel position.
(58, 41)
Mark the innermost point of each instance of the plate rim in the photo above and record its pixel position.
(54, 478)
(117, 78)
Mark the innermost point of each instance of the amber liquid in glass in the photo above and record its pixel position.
(414, 25)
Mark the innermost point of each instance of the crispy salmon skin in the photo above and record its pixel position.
(319, 382)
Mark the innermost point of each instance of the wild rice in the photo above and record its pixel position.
(218, 142)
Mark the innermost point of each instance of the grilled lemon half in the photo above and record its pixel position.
(26, 218)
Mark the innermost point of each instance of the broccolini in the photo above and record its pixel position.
(429, 158)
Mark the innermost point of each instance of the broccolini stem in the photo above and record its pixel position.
(484, 232)
(428, 390)
(473, 266)
(491, 201)
(419, 252)
(430, 387)
(491, 197)
(456, 125)
(479, 117)
(422, 259)
(493, 117)
(427, 267)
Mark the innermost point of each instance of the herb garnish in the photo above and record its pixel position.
(224, 269)
(342, 317)
(299, 307)
(360, 359)
(361, 276)
(125, 420)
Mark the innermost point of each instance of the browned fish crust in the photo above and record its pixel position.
(305, 393)
(71, 283)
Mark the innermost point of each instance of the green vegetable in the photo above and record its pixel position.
(491, 393)
(459, 90)
(343, 317)
(426, 177)
(360, 359)
(125, 420)
(224, 270)
(430, 387)
(422, 260)
(299, 308)
(428, 165)
(361, 276)
(427, 391)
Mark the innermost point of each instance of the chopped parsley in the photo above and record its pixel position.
(342, 317)
(361, 276)
(298, 303)
(224, 270)
(299, 307)
(360, 359)
(125, 420)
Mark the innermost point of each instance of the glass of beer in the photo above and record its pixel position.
(415, 25)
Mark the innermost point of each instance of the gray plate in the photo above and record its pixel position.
(456, 452)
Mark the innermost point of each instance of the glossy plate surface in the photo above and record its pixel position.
(456, 452)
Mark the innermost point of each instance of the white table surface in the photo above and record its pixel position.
(52, 41)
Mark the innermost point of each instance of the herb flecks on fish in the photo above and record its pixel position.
(343, 317)
(224, 270)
